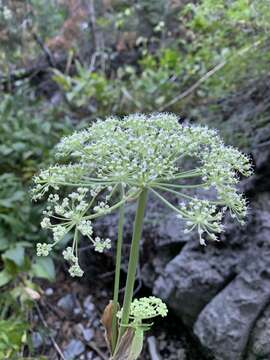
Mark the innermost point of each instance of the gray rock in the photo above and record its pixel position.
(73, 349)
(89, 306)
(225, 323)
(67, 303)
(49, 292)
(259, 344)
(77, 311)
(181, 354)
(88, 334)
(37, 340)
(194, 277)
(90, 355)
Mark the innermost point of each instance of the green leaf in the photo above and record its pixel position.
(11, 336)
(4, 243)
(44, 268)
(10, 267)
(15, 254)
(62, 80)
(5, 278)
(136, 345)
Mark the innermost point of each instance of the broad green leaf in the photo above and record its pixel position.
(5, 278)
(10, 267)
(136, 345)
(15, 254)
(44, 268)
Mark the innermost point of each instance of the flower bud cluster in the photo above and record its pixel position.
(222, 164)
(85, 227)
(138, 148)
(101, 207)
(100, 245)
(204, 216)
(74, 269)
(70, 213)
(235, 202)
(146, 308)
(56, 176)
(43, 249)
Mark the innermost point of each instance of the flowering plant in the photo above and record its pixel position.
(121, 160)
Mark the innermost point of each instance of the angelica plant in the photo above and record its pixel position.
(117, 161)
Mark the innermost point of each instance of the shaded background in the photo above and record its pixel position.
(66, 63)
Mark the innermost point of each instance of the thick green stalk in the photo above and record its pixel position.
(133, 259)
(117, 272)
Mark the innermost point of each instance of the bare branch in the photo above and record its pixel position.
(45, 49)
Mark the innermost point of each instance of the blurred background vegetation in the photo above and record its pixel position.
(64, 63)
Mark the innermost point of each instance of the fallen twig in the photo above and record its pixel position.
(57, 348)
(93, 346)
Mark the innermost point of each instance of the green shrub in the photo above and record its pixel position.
(26, 138)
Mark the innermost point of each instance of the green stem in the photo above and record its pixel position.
(166, 202)
(117, 271)
(114, 207)
(179, 186)
(163, 188)
(133, 259)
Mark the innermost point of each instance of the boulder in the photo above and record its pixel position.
(259, 345)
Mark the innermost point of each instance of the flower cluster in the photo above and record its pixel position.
(56, 176)
(70, 213)
(74, 269)
(100, 244)
(139, 152)
(43, 249)
(146, 308)
(136, 149)
(204, 216)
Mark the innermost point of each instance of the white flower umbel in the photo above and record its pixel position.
(101, 244)
(43, 249)
(204, 216)
(142, 152)
(145, 308)
(70, 213)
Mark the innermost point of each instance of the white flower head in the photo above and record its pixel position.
(134, 153)
(43, 249)
(146, 308)
(100, 245)
(75, 270)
